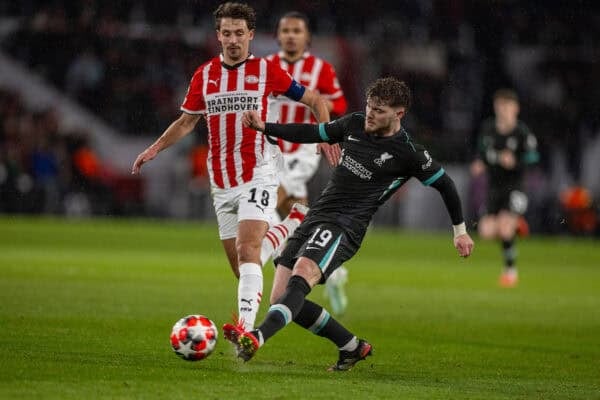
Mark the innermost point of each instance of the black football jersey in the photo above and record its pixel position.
(520, 141)
(371, 169)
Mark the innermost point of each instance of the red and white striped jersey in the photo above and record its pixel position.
(222, 93)
(314, 73)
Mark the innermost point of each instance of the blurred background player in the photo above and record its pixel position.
(301, 160)
(505, 147)
(242, 164)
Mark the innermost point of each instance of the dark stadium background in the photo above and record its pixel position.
(86, 85)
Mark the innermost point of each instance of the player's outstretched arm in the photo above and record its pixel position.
(320, 109)
(178, 129)
(297, 133)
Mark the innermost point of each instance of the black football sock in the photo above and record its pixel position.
(509, 253)
(317, 320)
(286, 309)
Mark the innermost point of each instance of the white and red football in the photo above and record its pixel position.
(194, 337)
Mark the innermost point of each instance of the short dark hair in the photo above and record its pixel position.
(235, 11)
(506, 94)
(296, 15)
(391, 91)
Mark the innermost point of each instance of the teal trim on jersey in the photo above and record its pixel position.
(322, 323)
(408, 139)
(329, 255)
(395, 183)
(283, 310)
(322, 132)
(434, 177)
(531, 157)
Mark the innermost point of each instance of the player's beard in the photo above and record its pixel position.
(378, 130)
(372, 128)
(235, 53)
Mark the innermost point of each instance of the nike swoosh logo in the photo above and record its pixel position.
(312, 247)
(353, 139)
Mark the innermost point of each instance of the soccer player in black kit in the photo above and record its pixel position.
(378, 157)
(506, 147)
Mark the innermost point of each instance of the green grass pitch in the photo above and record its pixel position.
(86, 309)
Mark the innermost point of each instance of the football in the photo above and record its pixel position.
(194, 337)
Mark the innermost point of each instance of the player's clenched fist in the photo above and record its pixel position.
(251, 119)
(464, 244)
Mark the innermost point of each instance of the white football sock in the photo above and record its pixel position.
(250, 289)
(275, 238)
(351, 345)
(261, 341)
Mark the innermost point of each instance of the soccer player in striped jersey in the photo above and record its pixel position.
(378, 158)
(301, 160)
(242, 164)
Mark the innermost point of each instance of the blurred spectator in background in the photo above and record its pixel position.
(92, 181)
(85, 77)
(48, 160)
(199, 184)
(31, 158)
(45, 170)
(506, 147)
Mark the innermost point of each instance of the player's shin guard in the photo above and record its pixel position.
(287, 309)
(250, 289)
(317, 320)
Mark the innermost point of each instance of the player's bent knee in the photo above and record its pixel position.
(506, 232)
(487, 229)
(308, 269)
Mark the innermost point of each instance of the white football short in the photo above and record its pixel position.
(255, 200)
(299, 167)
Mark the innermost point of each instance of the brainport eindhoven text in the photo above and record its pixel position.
(232, 103)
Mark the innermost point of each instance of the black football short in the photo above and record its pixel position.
(500, 199)
(325, 243)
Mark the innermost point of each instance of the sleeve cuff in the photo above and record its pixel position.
(460, 229)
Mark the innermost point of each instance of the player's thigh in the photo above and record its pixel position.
(487, 227)
(328, 246)
(225, 202)
(258, 200)
(254, 200)
(289, 255)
